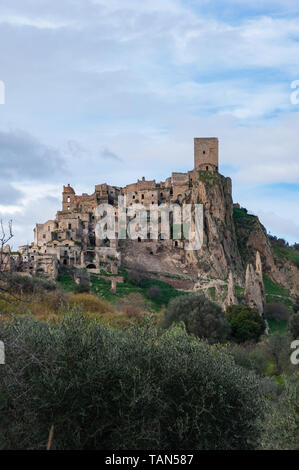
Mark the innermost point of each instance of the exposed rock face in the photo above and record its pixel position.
(231, 298)
(219, 254)
(252, 238)
(220, 249)
(259, 274)
(253, 290)
(230, 243)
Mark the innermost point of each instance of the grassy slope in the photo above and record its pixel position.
(288, 253)
(101, 288)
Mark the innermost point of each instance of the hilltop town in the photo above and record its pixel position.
(235, 250)
(71, 240)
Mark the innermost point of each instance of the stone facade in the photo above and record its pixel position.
(70, 239)
(206, 153)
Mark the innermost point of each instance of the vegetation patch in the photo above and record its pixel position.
(273, 288)
(275, 325)
(125, 390)
(287, 253)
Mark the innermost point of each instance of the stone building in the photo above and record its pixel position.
(206, 154)
(70, 239)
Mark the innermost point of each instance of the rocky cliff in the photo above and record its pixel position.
(277, 264)
(232, 238)
(219, 254)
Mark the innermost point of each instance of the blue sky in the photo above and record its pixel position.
(112, 90)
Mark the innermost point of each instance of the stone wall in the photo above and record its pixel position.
(205, 153)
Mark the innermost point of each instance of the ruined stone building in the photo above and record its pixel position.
(70, 239)
(225, 259)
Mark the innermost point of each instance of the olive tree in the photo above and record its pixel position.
(202, 317)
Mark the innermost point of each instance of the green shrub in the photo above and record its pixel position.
(294, 325)
(136, 275)
(203, 318)
(108, 389)
(280, 429)
(154, 292)
(82, 288)
(241, 356)
(246, 323)
(277, 311)
(276, 348)
(20, 284)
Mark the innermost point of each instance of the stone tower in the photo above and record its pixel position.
(206, 153)
(68, 198)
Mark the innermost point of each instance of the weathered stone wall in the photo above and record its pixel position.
(205, 152)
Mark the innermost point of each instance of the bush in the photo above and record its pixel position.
(203, 318)
(89, 303)
(296, 305)
(154, 292)
(246, 323)
(294, 325)
(277, 348)
(108, 389)
(133, 306)
(241, 355)
(136, 275)
(277, 311)
(56, 300)
(82, 287)
(280, 429)
(19, 284)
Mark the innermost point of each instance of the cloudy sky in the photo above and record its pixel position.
(111, 90)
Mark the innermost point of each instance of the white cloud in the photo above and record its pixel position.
(39, 23)
(138, 80)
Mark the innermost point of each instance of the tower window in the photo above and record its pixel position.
(204, 152)
(68, 199)
(142, 196)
